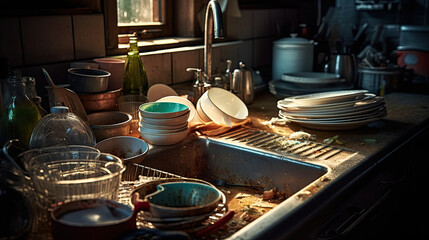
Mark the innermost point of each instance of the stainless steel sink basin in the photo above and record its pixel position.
(256, 158)
(210, 159)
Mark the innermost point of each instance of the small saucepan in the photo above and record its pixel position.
(100, 219)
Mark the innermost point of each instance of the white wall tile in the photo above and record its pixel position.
(158, 68)
(47, 39)
(10, 41)
(88, 36)
(182, 61)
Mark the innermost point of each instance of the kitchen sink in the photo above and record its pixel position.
(253, 158)
(209, 159)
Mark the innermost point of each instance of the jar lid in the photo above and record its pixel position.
(293, 40)
(59, 109)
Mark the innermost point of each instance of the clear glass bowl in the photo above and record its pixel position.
(60, 177)
(61, 128)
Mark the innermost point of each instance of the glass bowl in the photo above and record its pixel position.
(60, 177)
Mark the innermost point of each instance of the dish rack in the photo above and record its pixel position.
(137, 175)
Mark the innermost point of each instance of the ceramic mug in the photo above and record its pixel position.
(116, 67)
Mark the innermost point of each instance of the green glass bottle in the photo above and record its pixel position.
(20, 114)
(135, 79)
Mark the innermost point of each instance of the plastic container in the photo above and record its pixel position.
(380, 80)
(60, 128)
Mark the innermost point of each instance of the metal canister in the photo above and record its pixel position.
(242, 84)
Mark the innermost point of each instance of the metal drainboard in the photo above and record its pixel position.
(273, 142)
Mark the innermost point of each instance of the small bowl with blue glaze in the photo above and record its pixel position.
(162, 110)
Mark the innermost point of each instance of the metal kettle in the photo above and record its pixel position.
(242, 84)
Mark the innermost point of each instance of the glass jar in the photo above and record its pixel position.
(135, 79)
(20, 115)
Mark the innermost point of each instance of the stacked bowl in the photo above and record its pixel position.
(163, 123)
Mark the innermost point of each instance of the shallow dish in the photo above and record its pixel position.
(165, 121)
(214, 113)
(130, 149)
(158, 91)
(165, 139)
(163, 109)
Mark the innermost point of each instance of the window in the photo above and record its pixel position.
(148, 18)
(153, 22)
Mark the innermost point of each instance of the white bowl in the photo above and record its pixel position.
(158, 91)
(164, 127)
(228, 103)
(214, 113)
(162, 109)
(181, 100)
(130, 149)
(165, 139)
(161, 131)
(201, 114)
(165, 121)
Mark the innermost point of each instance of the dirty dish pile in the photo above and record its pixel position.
(130, 149)
(335, 110)
(163, 123)
(60, 177)
(222, 107)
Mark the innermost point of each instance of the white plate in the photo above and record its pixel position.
(335, 118)
(347, 109)
(158, 91)
(291, 106)
(332, 115)
(311, 77)
(181, 100)
(327, 97)
(335, 125)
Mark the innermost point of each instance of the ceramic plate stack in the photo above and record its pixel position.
(298, 83)
(334, 110)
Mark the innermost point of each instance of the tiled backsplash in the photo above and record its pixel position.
(54, 42)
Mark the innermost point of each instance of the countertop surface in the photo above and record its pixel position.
(407, 115)
(405, 112)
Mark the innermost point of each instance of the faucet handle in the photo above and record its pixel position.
(200, 75)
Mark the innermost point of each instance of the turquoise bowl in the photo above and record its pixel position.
(178, 199)
(163, 109)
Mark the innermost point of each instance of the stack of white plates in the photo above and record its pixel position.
(334, 110)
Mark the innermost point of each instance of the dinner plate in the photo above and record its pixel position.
(319, 78)
(335, 118)
(339, 125)
(347, 109)
(292, 106)
(332, 114)
(327, 97)
(158, 91)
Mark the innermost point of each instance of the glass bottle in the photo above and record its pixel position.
(135, 79)
(20, 114)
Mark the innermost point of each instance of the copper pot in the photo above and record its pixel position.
(105, 101)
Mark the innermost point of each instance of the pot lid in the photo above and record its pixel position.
(292, 40)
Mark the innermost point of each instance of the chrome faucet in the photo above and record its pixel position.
(213, 25)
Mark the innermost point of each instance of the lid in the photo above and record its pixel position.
(293, 40)
(59, 109)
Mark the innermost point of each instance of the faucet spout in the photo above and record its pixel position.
(213, 26)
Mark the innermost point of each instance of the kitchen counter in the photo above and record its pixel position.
(388, 150)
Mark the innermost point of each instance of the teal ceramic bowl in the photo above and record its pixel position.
(178, 199)
(163, 109)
